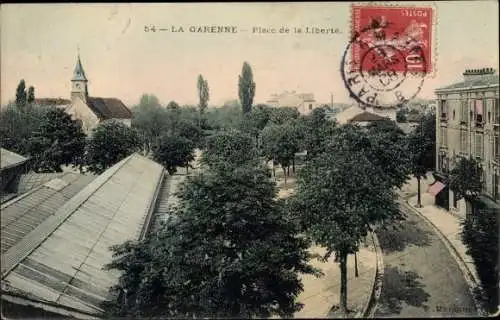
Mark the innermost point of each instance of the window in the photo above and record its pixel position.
(489, 116)
(479, 145)
(478, 111)
(444, 137)
(463, 112)
(453, 114)
(496, 181)
(496, 147)
(463, 141)
(310, 106)
(444, 110)
(496, 112)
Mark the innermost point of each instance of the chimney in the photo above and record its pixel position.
(473, 74)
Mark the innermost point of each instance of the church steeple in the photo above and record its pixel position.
(79, 81)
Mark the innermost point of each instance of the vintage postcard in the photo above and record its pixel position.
(250, 160)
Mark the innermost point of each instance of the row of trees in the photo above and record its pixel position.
(230, 249)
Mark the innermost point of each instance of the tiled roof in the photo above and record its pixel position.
(24, 213)
(52, 102)
(109, 108)
(60, 263)
(10, 159)
(483, 81)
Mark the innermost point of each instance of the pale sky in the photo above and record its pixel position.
(39, 43)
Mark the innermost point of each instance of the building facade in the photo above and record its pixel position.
(468, 125)
(303, 102)
(89, 110)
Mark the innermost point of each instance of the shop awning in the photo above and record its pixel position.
(436, 188)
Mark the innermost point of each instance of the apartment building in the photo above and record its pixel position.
(468, 125)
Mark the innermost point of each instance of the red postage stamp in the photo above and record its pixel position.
(401, 33)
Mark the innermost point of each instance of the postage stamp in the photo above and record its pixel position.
(389, 55)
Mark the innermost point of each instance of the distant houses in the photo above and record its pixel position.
(303, 102)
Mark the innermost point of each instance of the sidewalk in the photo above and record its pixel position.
(448, 225)
(320, 294)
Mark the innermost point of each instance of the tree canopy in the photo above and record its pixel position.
(173, 151)
(339, 195)
(56, 141)
(232, 148)
(466, 179)
(110, 142)
(246, 87)
(231, 252)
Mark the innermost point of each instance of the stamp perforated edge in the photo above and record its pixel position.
(399, 5)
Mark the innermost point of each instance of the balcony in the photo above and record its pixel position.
(444, 117)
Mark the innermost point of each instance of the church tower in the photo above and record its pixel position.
(79, 83)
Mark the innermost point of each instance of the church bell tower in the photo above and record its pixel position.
(79, 82)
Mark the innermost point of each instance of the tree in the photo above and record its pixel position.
(401, 115)
(283, 115)
(232, 148)
(21, 94)
(57, 141)
(279, 144)
(254, 121)
(203, 95)
(339, 195)
(150, 120)
(110, 142)
(421, 144)
(231, 252)
(31, 95)
(246, 88)
(466, 182)
(173, 151)
(17, 126)
(172, 105)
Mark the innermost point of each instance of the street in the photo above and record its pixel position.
(421, 278)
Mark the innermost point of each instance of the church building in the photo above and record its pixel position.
(89, 110)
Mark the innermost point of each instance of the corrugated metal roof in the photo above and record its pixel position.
(61, 260)
(24, 213)
(32, 180)
(10, 159)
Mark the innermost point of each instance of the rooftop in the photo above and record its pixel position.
(475, 78)
(59, 264)
(109, 108)
(10, 159)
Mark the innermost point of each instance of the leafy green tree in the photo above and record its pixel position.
(246, 88)
(172, 105)
(466, 179)
(283, 115)
(231, 252)
(173, 151)
(279, 143)
(149, 118)
(421, 144)
(314, 132)
(110, 142)
(31, 95)
(57, 141)
(232, 148)
(226, 117)
(21, 94)
(401, 115)
(340, 194)
(17, 126)
(254, 121)
(203, 95)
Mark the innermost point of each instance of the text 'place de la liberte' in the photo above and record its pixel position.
(235, 29)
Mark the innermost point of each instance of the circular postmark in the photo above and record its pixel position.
(382, 67)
